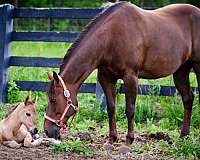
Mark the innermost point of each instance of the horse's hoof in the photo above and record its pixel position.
(108, 146)
(184, 135)
(129, 139)
(124, 149)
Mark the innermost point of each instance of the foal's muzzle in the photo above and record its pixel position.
(33, 131)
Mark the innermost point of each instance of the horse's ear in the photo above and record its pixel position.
(50, 76)
(26, 100)
(55, 77)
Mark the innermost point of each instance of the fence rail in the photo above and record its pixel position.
(44, 36)
(7, 35)
(68, 13)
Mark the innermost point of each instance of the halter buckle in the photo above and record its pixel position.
(66, 93)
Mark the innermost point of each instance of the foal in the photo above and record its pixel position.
(19, 125)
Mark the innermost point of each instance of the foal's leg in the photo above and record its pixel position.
(108, 84)
(181, 80)
(29, 142)
(12, 144)
(131, 88)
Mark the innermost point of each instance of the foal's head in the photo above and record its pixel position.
(26, 114)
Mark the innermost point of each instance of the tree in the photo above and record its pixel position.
(194, 2)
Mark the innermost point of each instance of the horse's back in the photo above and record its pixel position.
(163, 36)
(187, 18)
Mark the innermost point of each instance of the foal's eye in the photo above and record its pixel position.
(28, 114)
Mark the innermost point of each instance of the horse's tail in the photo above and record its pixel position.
(196, 68)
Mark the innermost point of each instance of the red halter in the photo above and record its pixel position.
(59, 122)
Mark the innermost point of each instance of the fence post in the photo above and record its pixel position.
(6, 27)
(100, 96)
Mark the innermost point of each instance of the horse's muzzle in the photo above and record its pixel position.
(53, 132)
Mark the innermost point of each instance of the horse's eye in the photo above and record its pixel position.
(28, 114)
(53, 100)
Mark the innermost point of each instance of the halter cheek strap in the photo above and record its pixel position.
(66, 93)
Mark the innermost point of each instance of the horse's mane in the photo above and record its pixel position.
(105, 12)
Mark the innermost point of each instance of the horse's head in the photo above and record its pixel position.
(27, 114)
(60, 106)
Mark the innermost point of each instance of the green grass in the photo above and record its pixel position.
(73, 146)
(153, 113)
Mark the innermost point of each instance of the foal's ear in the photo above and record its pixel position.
(26, 100)
(34, 100)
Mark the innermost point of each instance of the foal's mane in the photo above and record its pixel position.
(13, 107)
(104, 13)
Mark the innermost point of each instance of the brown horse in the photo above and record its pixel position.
(126, 42)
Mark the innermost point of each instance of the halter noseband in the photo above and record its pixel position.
(60, 122)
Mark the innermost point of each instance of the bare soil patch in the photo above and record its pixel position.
(45, 152)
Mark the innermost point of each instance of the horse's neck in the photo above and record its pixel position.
(80, 66)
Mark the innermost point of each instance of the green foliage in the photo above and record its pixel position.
(187, 148)
(145, 148)
(73, 146)
(62, 3)
(3, 110)
(14, 94)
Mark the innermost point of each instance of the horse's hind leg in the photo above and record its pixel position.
(196, 68)
(131, 89)
(12, 144)
(181, 80)
(108, 82)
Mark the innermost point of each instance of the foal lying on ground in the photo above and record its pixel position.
(19, 125)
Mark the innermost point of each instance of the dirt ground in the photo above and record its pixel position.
(44, 152)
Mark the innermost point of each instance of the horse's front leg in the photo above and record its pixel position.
(131, 88)
(181, 81)
(12, 144)
(108, 82)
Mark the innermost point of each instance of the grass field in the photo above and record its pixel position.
(153, 113)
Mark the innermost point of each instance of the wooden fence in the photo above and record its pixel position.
(7, 35)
